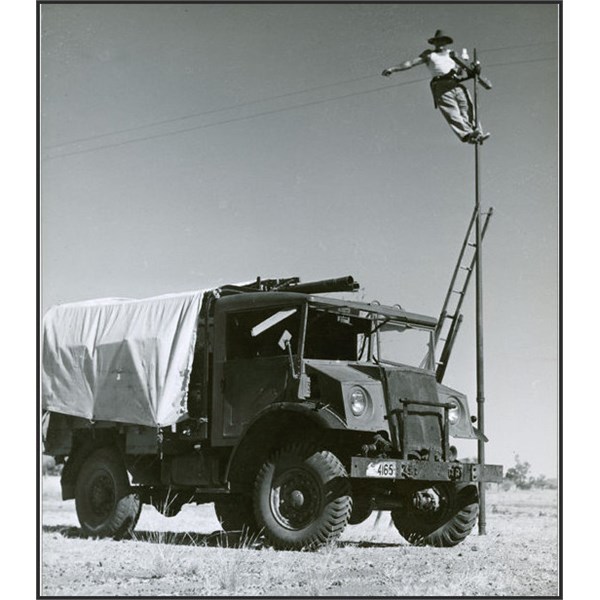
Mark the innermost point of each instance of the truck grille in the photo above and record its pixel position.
(417, 427)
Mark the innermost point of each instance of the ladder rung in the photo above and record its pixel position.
(461, 292)
(466, 268)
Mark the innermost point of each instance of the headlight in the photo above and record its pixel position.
(358, 401)
(453, 412)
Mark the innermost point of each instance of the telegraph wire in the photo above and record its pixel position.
(209, 112)
(269, 112)
(521, 62)
(251, 103)
(519, 46)
(235, 119)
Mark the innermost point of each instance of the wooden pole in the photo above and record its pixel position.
(479, 315)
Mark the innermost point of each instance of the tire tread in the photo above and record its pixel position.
(128, 507)
(335, 516)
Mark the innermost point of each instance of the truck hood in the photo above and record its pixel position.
(401, 382)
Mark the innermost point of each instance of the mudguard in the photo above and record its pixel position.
(321, 415)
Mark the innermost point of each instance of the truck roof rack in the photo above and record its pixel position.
(292, 284)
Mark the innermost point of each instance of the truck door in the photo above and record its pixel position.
(252, 367)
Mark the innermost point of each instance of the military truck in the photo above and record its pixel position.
(295, 413)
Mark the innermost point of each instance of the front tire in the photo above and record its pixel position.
(302, 497)
(104, 500)
(444, 526)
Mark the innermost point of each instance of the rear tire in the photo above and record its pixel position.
(104, 500)
(302, 497)
(447, 526)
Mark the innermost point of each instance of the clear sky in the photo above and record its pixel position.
(184, 146)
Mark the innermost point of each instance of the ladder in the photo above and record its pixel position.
(450, 318)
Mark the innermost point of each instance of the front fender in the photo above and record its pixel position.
(270, 428)
(463, 428)
(319, 413)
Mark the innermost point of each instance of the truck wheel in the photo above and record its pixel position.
(235, 514)
(104, 501)
(445, 518)
(302, 497)
(361, 510)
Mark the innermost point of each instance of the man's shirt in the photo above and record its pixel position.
(438, 63)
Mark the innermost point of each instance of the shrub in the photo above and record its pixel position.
(520, 477)
(49, 466)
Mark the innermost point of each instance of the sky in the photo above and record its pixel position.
(187, 146)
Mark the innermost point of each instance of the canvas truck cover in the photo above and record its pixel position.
(120, 360)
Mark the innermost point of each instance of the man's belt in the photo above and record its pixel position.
(447, 76)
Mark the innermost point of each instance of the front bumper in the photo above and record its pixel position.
(422, 470)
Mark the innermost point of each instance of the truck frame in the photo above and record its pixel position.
(297, 423)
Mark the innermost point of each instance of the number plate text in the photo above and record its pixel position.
(381, 469)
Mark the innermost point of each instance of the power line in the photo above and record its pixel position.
(521, 62)
(519, 46)
(233, 120)
(250, 103)
(209, 112)
(269, 112)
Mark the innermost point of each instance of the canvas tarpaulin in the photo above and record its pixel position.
(120, 360)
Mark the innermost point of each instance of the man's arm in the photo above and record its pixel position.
(473, 70)
(407, 64)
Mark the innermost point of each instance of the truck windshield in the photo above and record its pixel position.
(399, 344)
(337, 335)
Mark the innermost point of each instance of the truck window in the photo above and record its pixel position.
(334, 336)
(256, 333)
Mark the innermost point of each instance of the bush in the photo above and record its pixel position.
(49, 466)
(519, 476)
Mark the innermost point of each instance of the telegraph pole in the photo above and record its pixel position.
(473, 71)
(479, 313)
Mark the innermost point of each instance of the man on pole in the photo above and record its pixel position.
(449, 95)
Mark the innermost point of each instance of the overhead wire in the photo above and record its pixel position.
(209, 112)
(249, 103)
(261, 114)
(235, 119)
(521, 62)
(520, 46)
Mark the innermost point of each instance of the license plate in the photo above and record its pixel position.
(383, 469)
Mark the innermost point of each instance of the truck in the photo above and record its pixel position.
(296, 412)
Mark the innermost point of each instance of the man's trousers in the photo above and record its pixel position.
(456, 106)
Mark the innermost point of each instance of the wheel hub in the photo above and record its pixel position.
(296, 498)
(101, 495)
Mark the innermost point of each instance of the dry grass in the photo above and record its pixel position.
(187, 556)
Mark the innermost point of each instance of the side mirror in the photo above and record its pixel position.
(284, 343)
(284, 340)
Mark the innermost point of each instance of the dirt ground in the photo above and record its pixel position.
(186, 556)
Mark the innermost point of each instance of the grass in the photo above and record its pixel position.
(165, 560)
(169, 557)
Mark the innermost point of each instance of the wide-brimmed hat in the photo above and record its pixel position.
(440, 38)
